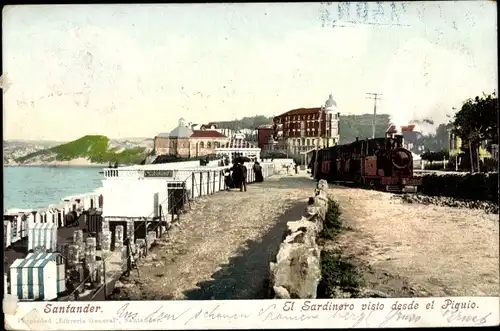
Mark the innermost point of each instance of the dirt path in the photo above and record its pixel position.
(418, 250)
(223, 246)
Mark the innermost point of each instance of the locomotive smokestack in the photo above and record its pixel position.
(356, 138)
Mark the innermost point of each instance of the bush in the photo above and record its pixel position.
(476, 186)
(332, 224)
(434, 166)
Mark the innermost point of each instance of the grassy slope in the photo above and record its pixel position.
(95, 148)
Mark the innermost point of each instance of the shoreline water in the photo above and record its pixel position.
(37, 186)
(91, 165)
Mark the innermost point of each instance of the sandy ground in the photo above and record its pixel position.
(418, 250)
(223, 246)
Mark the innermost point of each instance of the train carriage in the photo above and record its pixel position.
(377, 163)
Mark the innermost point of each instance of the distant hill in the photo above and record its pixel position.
(13, 149)
(95, 149)
(351, 126)
(245, 123)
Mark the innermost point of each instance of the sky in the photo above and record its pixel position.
(133, 70)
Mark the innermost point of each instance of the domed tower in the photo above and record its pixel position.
(332, 118)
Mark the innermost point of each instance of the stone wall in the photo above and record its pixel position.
(296, 272)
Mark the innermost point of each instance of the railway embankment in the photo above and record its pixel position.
(462, 190)
(470, 186)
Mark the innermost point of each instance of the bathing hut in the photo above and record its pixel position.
(59, 213)
(38, 276)
(43, 215)
(42, 235)
(24, 224)
(50, 215)
(7, 233)
(15, 229)
(5, 284)
(37, 218)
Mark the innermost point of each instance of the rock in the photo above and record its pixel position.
(297, 271)
(281, 293)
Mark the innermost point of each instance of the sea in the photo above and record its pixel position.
(41, 186)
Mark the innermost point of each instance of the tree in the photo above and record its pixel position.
(476, 122)
(435, 141)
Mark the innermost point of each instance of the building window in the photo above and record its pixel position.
(216, 144)
(298, 142)
(308, 142)
(209, 144)
(202, 145)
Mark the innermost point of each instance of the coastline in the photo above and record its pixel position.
(91, 165)
(78, 162)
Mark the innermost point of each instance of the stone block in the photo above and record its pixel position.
(297, 270)
(119, 235)
(91, 250)
(105, 241)
(74, 255)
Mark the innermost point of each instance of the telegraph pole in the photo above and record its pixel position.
(315, 166)
(375, 97)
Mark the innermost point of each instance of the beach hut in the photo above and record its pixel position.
(87, 201)
(44, 235)
(94, 202)
(59, 216)
(50, 216)
(43, 215)
(15, 229)
(7, 233)
(30, 219)
(38, 276)
(101, 201)
(36, 216)
(24, 224)
(5, 284)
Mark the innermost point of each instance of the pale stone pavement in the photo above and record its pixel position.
(223, 245)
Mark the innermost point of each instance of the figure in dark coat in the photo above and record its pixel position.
(243, 182)
(239, 175)
(236, 174)
(228, 180)
(257, 169)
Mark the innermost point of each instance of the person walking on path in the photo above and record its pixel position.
(258, 172)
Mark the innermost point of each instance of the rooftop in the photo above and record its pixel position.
(301, 111)
(238, 143)
(207, 134)
(404, 128)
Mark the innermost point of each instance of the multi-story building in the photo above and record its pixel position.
(299, 130)
(184, 141)
(264, 136)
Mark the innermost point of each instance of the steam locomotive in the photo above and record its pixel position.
(379, 163)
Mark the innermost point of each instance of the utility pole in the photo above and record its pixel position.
(315, 166)
(375, 97)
